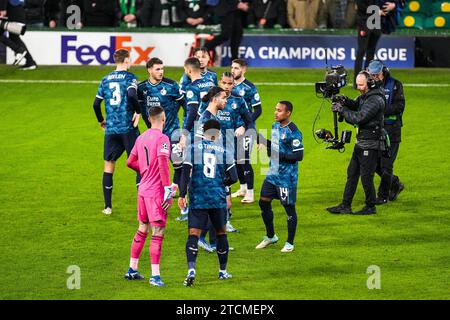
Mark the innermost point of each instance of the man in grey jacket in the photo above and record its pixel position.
(366, 113)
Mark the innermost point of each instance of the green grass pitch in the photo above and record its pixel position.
(51, 200)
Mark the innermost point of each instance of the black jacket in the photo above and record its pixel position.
(101, 13)
(274, 11)
(388, 23)
(366, 112)
(35, 11)
(193, 9)
(395, 107)
(225, 7)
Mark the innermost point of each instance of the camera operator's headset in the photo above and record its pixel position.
(371, 83)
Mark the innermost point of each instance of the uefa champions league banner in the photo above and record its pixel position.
(293, 51)
(303, 51)
(97, 48)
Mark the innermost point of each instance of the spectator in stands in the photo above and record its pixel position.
(337, 14)
(57, 12)
(157, 13)
(229, 14)
(303, 14)
(52, 12)
(267, 14)
(368, 36)
(101, 13)
(193, 12)
(130, 12)
(35, 12)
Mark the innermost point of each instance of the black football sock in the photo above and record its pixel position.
(291, 222)
(107, 188)
(267, 215)
(222, 250)
(241, 175)
(249, 176)
(191, 251)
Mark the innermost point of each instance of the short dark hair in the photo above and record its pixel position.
(192, 62)
(227, 74)
(153, 61)
(240, 62)
(120, 55)
(212, 92)
(155, 112)
(201, 49)
(211, 124)
(288, 105)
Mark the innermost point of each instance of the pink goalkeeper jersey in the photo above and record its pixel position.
(148, 147)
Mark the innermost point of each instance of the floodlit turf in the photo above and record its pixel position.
(51, 201)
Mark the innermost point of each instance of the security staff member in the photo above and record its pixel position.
(229, 13)
(390, 185)
(14, 11)
(368, 35)
(366, 112)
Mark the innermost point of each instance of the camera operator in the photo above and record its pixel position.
(14, 11)
(390, 185)
(366, 112)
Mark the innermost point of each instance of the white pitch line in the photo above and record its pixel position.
(292, 84)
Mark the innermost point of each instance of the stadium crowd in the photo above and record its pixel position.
(299, 14)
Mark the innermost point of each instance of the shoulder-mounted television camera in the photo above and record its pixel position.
(12, 26)
(335, 79)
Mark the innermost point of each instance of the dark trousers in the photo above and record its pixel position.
(231, 29)
(367, 44)
(14, 41)
(385, 169)
(363, 163)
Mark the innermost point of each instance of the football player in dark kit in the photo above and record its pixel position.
(118, 90)
(163, 92)
(366, 112)
(208, 169)
(390, 185)
(285, 149)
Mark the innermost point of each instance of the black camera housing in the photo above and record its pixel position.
(335, 78)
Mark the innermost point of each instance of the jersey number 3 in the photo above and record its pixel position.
(116, 98)
(209, 165)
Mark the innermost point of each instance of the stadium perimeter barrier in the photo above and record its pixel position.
(286, 48)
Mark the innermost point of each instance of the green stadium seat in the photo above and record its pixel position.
(438, 21)
(413, 21)
(417, 6)
(440, 7)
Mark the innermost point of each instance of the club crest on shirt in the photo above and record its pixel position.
(256, 96)
(189, 94)
(296, 143)
(283, 135)
(163, 92)
(234, 105)
(242, 92)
